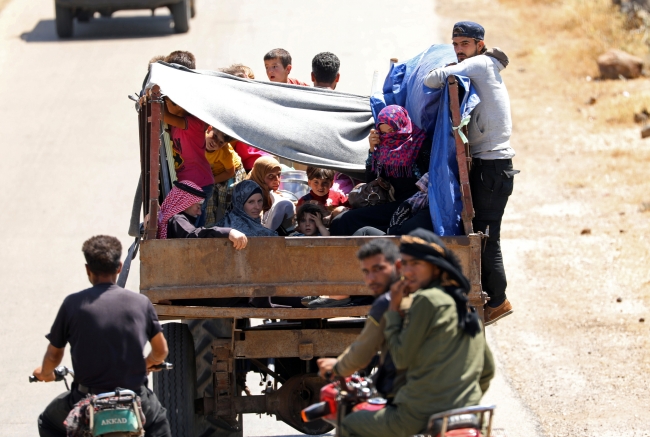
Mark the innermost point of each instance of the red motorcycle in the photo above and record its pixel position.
(354, 393)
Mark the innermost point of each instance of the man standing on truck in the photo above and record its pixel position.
(437, 342)
(491, 176)
(325, 70)
(107, 328)
(380, 263)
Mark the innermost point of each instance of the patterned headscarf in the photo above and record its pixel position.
(397, 150)
(237, 217)
(263, 166)
(182, 196)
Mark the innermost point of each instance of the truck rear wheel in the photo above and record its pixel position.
(64, 18)
(299, 392)
(85, 16)
(176, 388)
(181, 12)
(203, 332)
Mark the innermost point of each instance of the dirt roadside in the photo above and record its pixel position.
(3, 3)
(575, 241)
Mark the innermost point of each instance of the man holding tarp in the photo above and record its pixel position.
(490, 126)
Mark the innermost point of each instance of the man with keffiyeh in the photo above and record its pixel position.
(178, 214)
(437, 341)
(491, 177)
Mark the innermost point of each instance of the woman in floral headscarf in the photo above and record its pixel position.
(399, 153)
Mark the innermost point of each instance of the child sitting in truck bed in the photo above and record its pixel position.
(188, 146)
(309, 221)
(320, 183)
(227, 170)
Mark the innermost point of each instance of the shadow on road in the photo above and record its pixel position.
(104, 28)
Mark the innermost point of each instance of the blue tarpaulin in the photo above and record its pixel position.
(404, 86)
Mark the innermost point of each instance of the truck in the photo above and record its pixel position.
(213, 347)
(84, 10)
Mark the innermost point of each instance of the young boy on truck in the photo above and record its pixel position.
(278, 66)
(309, 221)
(320, 182)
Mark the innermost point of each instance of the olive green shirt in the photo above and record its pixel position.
(445, 368)
(359, 354)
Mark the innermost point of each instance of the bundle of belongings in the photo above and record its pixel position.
(93, 416)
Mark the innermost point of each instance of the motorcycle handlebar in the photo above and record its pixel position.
(59, 374)
(62, 371)
(164, 366)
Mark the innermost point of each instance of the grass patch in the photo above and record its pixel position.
(567, 36)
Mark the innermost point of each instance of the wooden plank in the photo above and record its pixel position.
(187, 312)
(213, 262)
(477, 297)
(287, 343)
(354, 242)
(158, 294)
(462, 158)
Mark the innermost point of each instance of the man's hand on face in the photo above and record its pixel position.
(397, 291)
(326, 365)
(38, 373)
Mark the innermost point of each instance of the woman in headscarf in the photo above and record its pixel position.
(245, 216)
(247, 206)
(436, 340)
(278, 212)
(399, 153)
(178, 214)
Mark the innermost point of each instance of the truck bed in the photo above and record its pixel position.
(173, 270)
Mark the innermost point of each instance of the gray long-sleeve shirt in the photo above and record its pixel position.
(490, 125)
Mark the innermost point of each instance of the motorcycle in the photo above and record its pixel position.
(113, 414)
(355, 393)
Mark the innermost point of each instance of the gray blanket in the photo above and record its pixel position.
(303, 124)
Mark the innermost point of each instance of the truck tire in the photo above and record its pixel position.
(64, 18)
(203, 332)
(176, 388)
(181, 12)
(84, 16)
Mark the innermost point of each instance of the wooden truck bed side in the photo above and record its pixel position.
(269, 266)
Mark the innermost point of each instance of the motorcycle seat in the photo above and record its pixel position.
(460, 421)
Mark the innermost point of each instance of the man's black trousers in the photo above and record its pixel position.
(50, 422)
(491, 183)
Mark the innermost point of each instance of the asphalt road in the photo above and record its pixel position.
(71, 152)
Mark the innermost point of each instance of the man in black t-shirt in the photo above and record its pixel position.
(107, 328)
